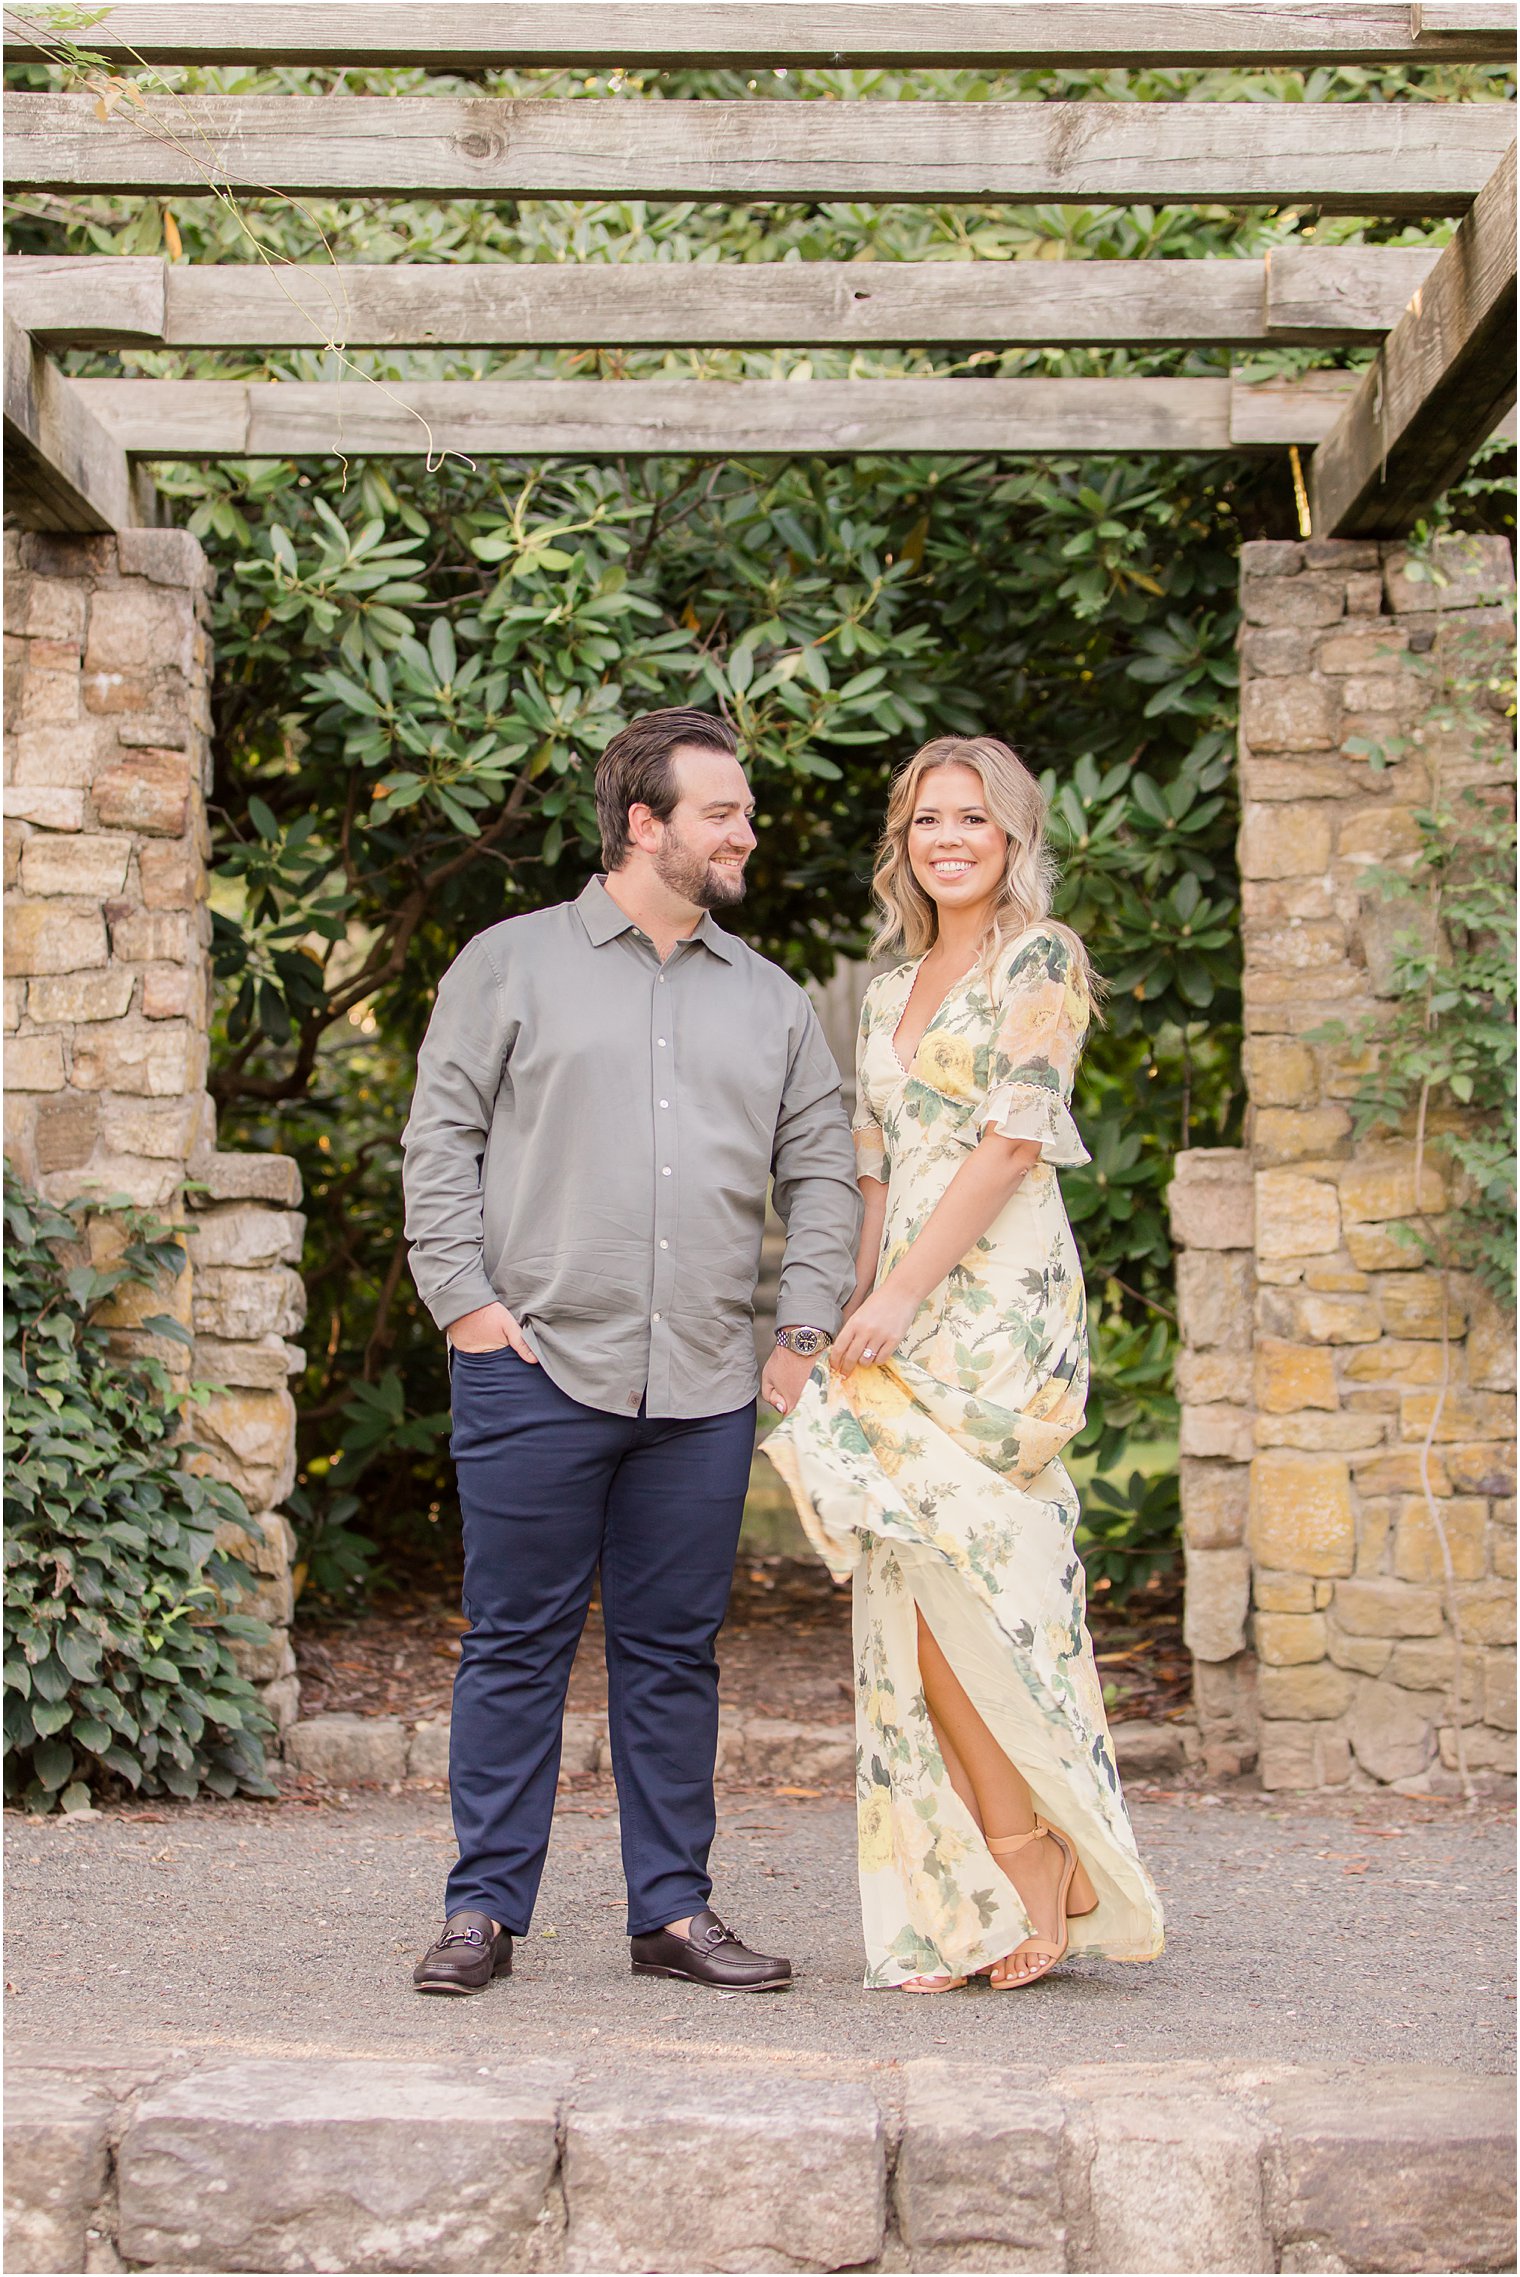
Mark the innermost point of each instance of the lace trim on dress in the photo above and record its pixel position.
(870, 1150)
(1029, 1111)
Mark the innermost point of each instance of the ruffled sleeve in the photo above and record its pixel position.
(1043, 1013)
(871, 1158)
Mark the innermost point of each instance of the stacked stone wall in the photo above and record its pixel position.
(1212, 1225)
(1363, 1431)
(108, 993)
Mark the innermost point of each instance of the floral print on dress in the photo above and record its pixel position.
(935, 1479)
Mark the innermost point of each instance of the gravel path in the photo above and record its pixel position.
(1367, 1928)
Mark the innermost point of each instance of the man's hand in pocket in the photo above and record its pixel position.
(487, 1330)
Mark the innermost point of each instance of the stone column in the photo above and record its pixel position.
(108, 991)
(1213, 1227)
(1357, 1673)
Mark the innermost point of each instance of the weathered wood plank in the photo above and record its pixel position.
(89, 300)
(526, 418)
(1321, 297)
(1299, 408)
(779, 304)
(279, 419)
(1329, 292)
(911, 33)
(72, 474)
(202, 419)
(1443, 378)
(1397, 158)
(1441, 27)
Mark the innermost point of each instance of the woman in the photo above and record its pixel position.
(925, 1455)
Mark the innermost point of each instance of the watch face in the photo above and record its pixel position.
(803, 1341)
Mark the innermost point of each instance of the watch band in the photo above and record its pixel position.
(807, 1343)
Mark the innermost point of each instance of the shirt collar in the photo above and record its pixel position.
(604, 921)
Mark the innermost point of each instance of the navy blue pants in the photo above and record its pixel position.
(550, 1490)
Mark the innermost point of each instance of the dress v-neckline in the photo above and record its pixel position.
(906, 1066)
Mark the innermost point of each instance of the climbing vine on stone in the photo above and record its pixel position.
(1441, 1062)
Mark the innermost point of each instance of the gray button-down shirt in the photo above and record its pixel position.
(590, 1140)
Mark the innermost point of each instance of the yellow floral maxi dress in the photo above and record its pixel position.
(936, 1478)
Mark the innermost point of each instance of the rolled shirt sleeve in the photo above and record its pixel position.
(459, 1073)
(816, 1196)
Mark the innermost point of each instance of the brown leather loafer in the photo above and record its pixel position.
(710, 1954)
(465, 1957)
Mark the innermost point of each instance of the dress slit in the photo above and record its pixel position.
(949, 1746)
(1022, 1720)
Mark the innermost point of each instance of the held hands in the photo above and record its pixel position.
(783, 1377)
(874, 1329)
(487, 1330)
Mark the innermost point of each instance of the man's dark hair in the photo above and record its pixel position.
(635, 770)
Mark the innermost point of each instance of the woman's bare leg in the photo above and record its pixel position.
(1004, 1804)
(1000, 1800)
(956, 1772)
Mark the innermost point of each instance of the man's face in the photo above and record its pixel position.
(707, 840)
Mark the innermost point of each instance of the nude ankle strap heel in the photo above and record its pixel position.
(1081, 1898)
(1004, 1845)
(1049, 1950)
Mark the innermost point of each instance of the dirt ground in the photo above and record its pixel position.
(785, 1650)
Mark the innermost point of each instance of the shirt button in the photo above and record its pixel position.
(664, 1244)
(654, 1316)
(665, 1170)
(660, 1040)
(664, 1102)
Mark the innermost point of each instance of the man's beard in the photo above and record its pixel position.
(700, 882)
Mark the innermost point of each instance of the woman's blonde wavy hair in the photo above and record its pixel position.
(1015, 802)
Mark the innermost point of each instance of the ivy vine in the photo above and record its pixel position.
(119, 1664)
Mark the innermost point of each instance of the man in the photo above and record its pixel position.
(603, 1090)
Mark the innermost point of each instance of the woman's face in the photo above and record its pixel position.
(955, 849)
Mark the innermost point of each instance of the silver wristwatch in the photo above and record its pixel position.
(807, 1343)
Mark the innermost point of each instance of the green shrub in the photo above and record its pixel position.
(1129, 1531)
(118, 1666)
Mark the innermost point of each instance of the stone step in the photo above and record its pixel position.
(359, 1751)
(169, 2164)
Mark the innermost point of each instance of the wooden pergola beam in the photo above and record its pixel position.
(208, 419)
(912, 34)
(1443, 377)
(64, 469)
(1393, 158)
(1323, 297)
(89, 300)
